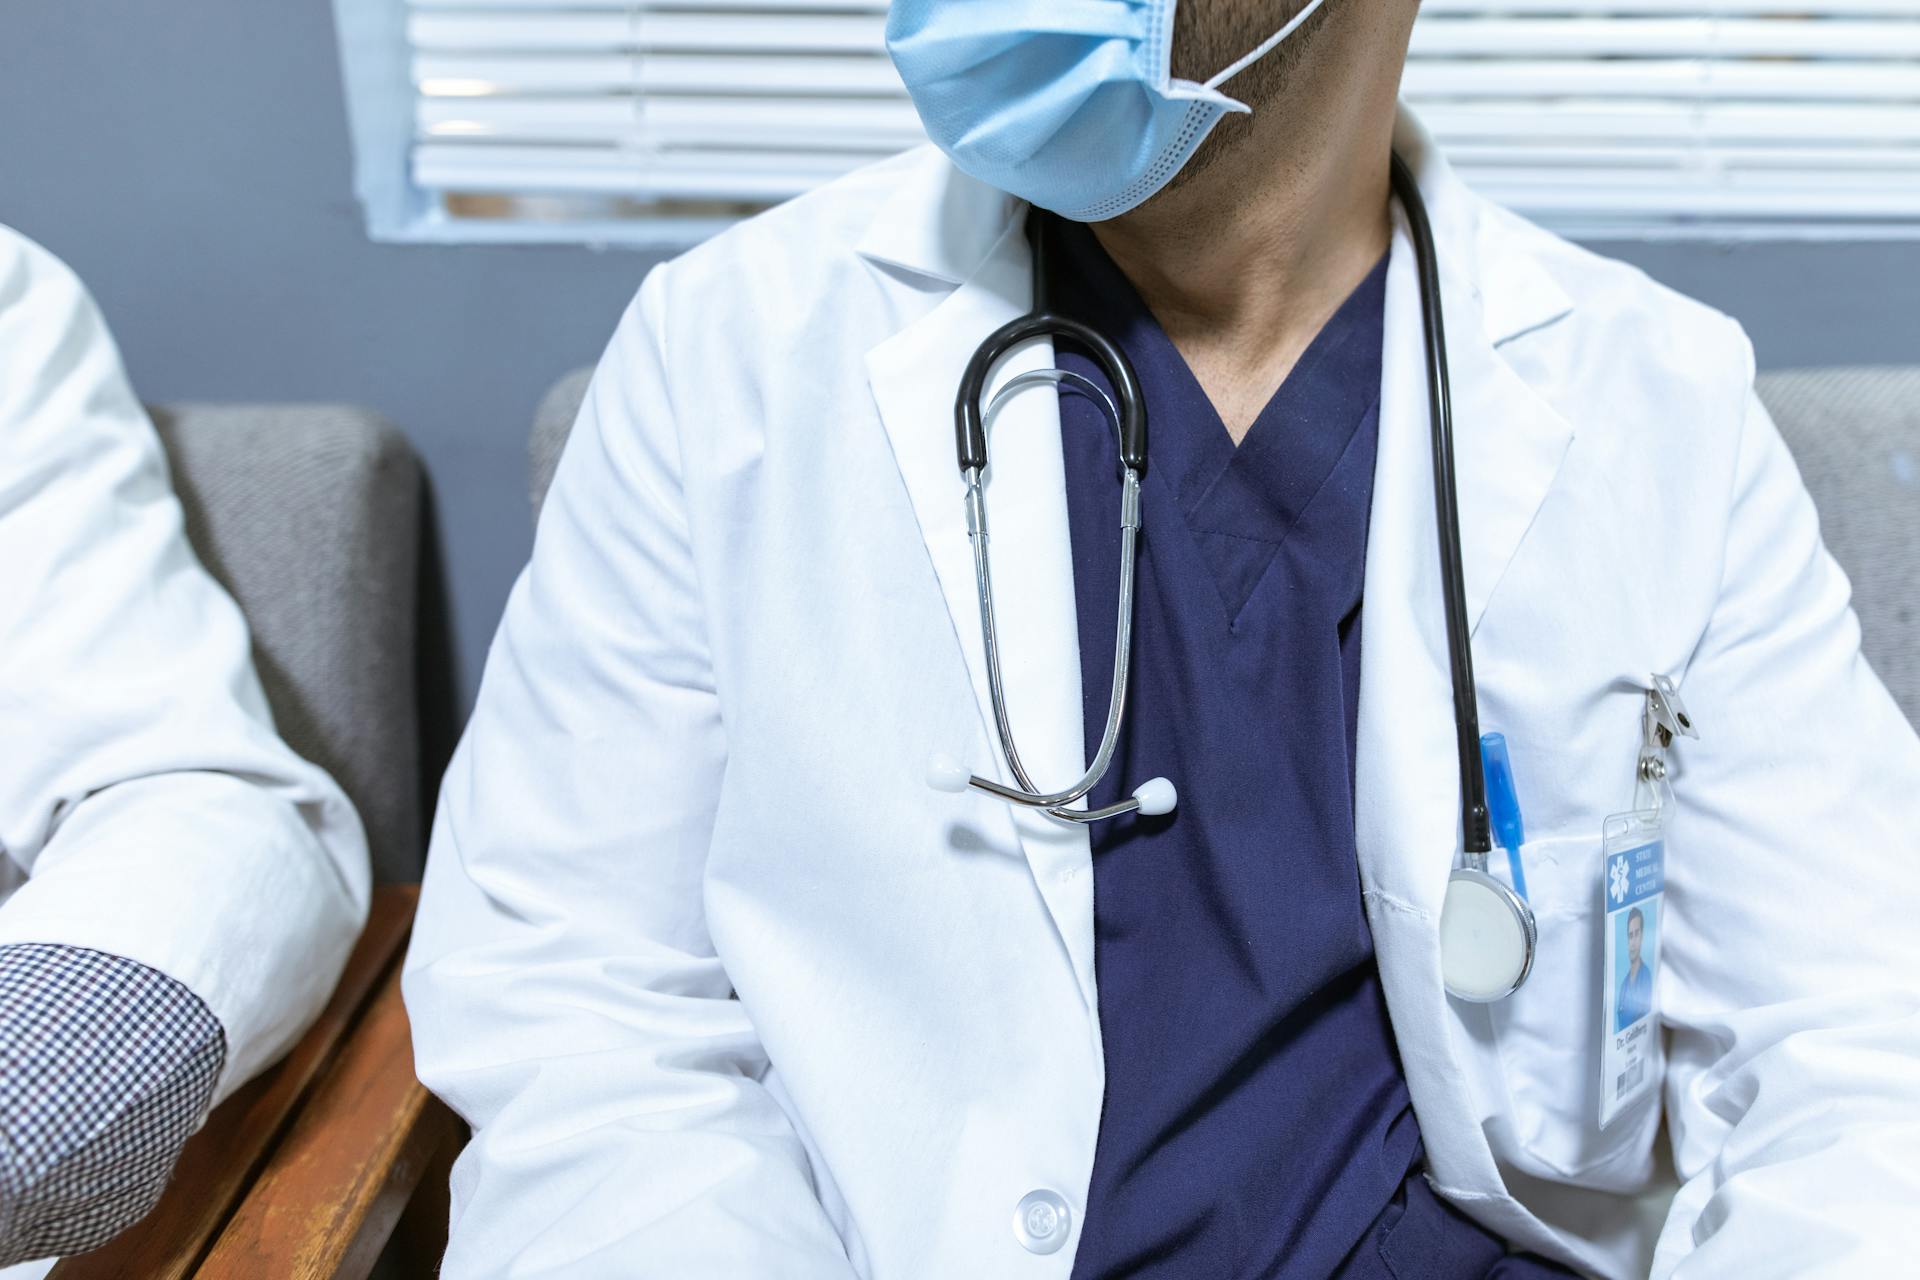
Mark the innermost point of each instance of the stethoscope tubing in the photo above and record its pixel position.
(1476, 830)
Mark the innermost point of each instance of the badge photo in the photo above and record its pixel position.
(1633, 892)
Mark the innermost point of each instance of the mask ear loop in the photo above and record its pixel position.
(1266, 46)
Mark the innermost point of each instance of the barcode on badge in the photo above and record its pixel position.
(1629, 1078)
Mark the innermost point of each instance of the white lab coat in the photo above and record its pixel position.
(146, 806)
(698, 766)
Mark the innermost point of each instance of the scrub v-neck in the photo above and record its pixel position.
(1240, 503)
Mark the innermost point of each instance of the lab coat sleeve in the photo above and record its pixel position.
(1792, 960)
(566, 998)
(144, 795)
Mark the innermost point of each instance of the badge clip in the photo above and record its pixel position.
(1663, 719)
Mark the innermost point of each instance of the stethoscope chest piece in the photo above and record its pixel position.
(1487, 938)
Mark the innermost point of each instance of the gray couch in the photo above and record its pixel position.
(1856, 435)
(1854, 432)
(310, 516)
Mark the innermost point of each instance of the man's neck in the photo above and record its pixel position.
(1246, 261)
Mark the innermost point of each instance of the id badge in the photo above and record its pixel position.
(1633, 892)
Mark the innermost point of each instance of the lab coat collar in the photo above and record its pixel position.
(940, 224)
(1512, 292)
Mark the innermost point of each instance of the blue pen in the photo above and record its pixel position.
(1503, 804)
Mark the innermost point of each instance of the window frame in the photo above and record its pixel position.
(376, 73)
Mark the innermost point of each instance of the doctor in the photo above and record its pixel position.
(726, 990)
(178, 890)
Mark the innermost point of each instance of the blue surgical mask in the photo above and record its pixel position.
(1069, 104)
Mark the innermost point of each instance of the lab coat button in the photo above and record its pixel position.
(1042, 1221)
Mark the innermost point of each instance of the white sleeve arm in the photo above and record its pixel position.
(144, 795)
(1792, 966)
(566, 998)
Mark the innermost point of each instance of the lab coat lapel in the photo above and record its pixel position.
(1508, 446)
(914, 375)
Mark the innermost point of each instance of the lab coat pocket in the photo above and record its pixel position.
(1548, 1034)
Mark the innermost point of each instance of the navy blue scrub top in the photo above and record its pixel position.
(1256, 1120)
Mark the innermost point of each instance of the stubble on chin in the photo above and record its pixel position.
(1210, 35)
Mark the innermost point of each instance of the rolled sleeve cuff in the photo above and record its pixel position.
(106, 1069)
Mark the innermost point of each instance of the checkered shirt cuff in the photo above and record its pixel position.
(106, 1069)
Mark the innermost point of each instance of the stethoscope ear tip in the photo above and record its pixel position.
(944, 773)
(1155, 796)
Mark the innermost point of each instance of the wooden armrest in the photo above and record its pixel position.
(344, 1100)
(337, 1183)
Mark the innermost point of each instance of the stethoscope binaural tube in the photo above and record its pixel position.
(1488, 935)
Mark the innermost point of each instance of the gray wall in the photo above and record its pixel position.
(191, 162)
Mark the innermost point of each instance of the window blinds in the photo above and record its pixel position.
(1647, 113)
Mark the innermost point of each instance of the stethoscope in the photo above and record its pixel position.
(1487, 931)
